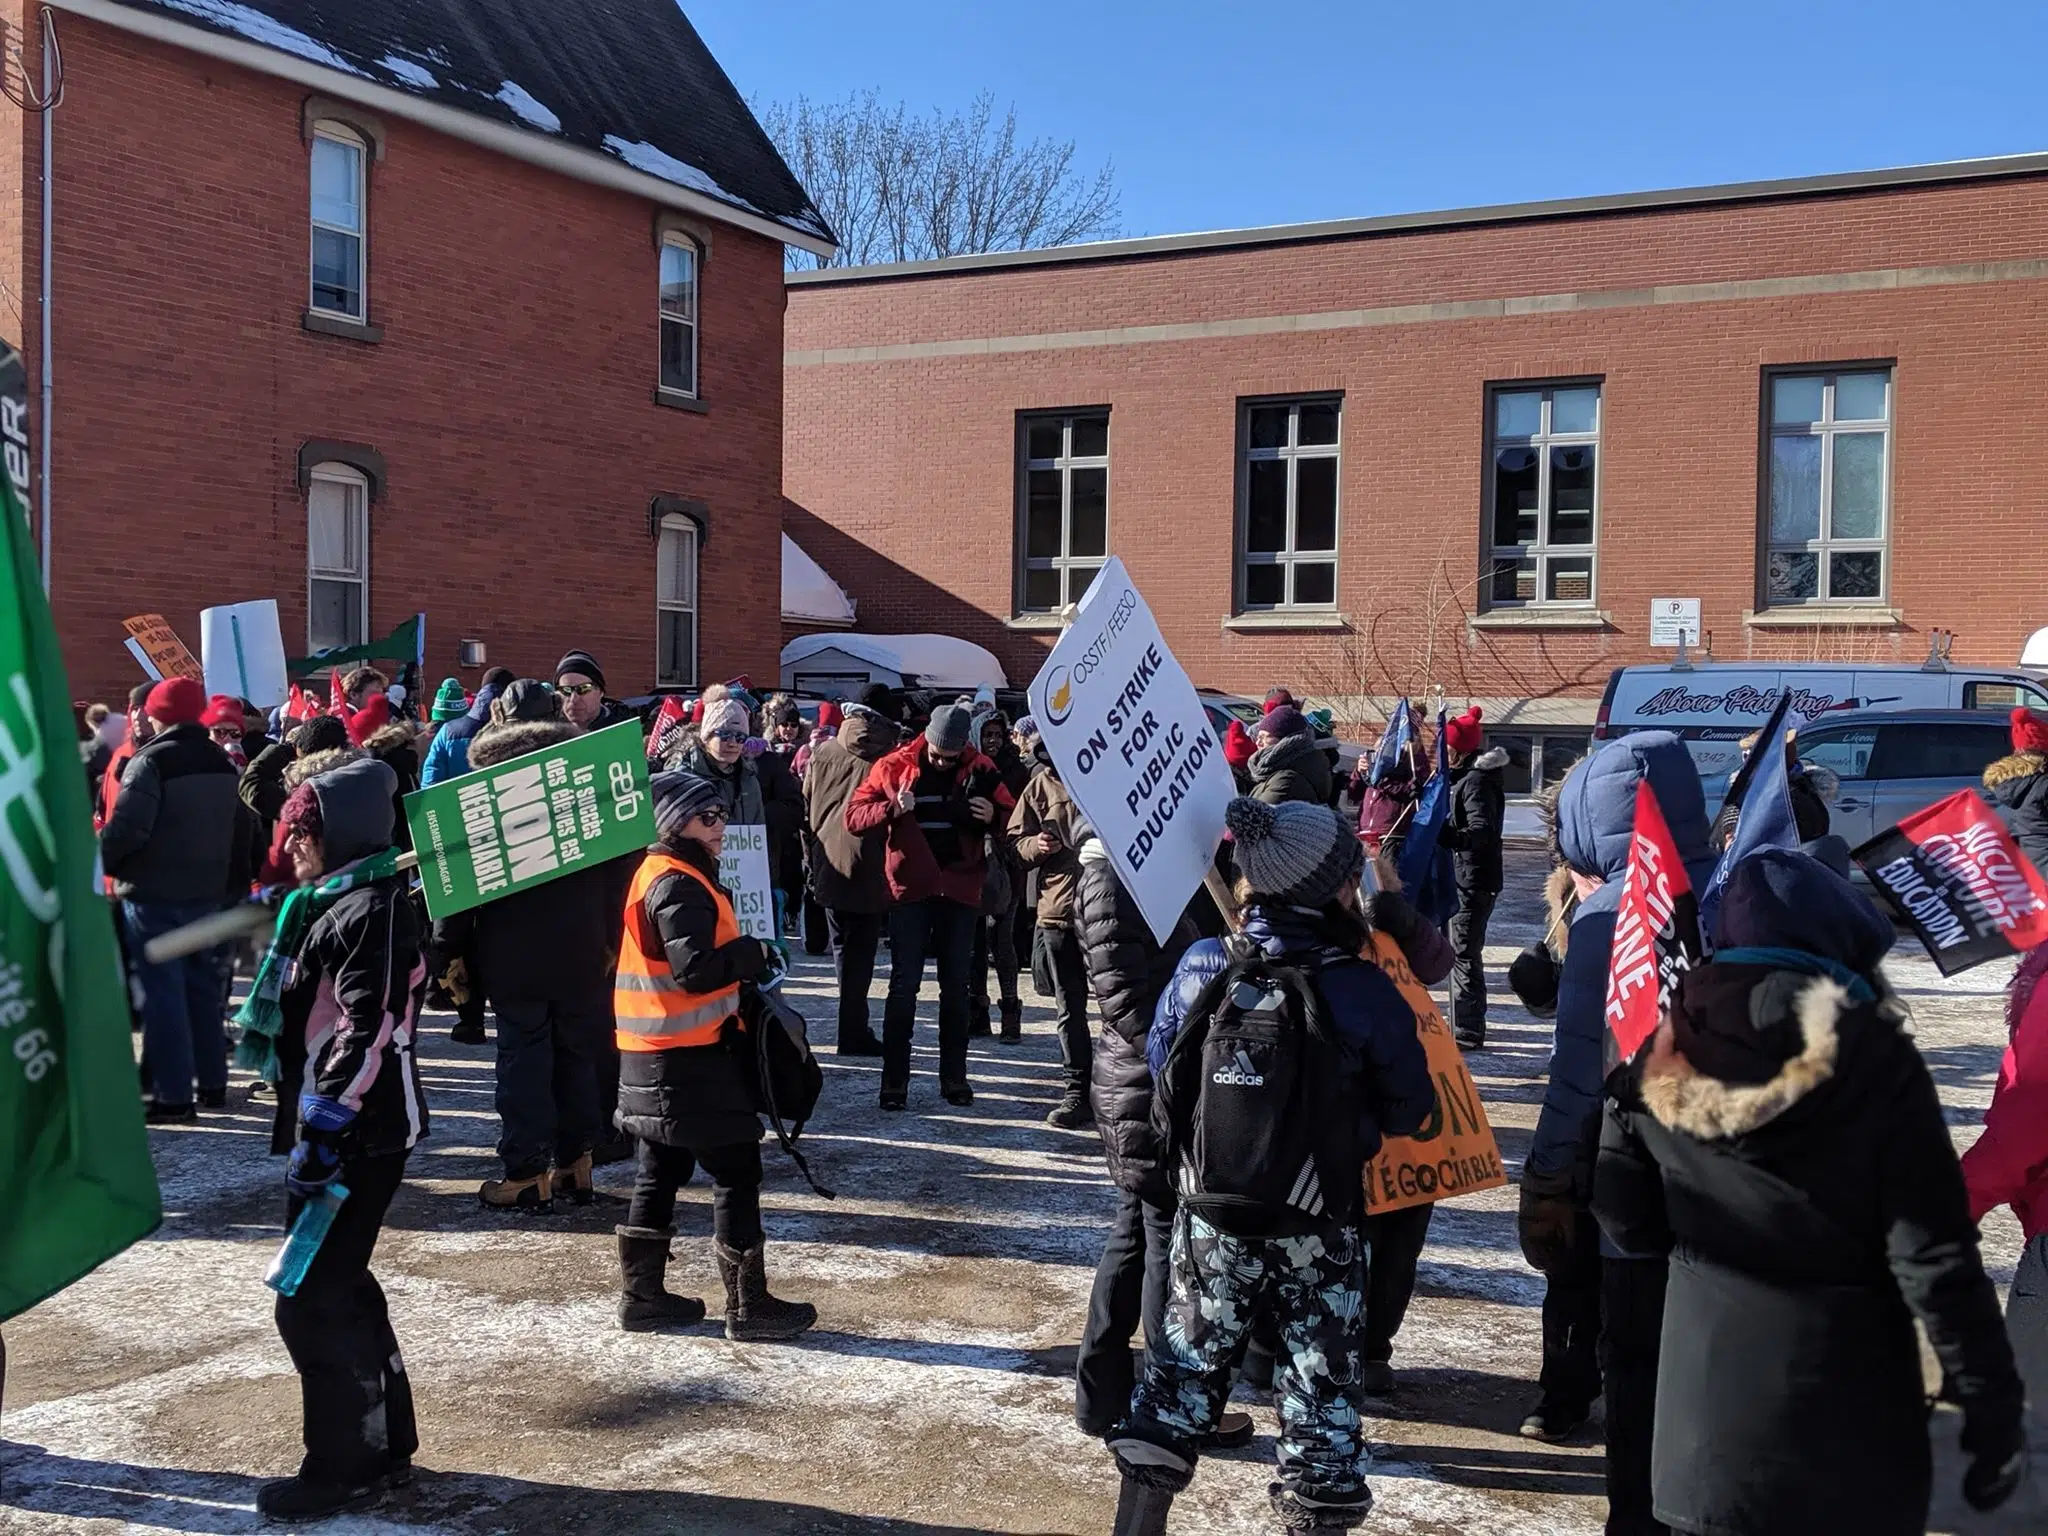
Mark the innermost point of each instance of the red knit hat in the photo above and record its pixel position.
(1462, 731)
(2029, 731)
(222, 709)
(176, 701)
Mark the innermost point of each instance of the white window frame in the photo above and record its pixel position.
(1828, 429)
(357, 485)
(693, 320)
(350, 139)
(1076, 571)
(1542, 549)
(1292, 454)
(686, 528)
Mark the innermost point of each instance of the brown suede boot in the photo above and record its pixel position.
(751, 1314)
(534, 1194)
(574, 1182)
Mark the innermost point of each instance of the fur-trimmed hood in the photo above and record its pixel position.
(500, 743)
(304, 768)
(1683, 1098)
(386, 739)
(1560, 903)
(1492, 760)
(2020, 765)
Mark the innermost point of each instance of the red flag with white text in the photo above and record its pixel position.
(1656, 929)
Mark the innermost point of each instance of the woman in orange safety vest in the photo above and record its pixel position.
(686, 1072)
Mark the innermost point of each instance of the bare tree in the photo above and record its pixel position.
(897, 187)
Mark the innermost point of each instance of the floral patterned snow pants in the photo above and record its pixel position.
(1312, 1288)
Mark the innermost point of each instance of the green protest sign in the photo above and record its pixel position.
(536, 818)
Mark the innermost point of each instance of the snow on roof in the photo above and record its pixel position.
(809, 594)
(630, 79)
(937, 661)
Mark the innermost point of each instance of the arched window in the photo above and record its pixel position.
(678, 314)
(675, 604)
(337, 556)
(340, 222)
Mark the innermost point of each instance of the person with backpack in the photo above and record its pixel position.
(1279, 1060)
(686, 1076)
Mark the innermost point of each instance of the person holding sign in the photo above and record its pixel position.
(1782, 1139)
(938, 797)
(686, 1091)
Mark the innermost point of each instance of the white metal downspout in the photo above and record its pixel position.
(43, 412)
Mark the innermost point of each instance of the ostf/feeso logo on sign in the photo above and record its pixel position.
(1059, 696)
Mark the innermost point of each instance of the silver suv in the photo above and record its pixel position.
(1894, 762)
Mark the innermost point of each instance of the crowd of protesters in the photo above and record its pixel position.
(1738, 1228)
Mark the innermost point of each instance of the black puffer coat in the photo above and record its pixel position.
(1127, 970)
(1293, 768)
(1477, 823)
(693, 1096)
(1783, 1142)
(2019, 783)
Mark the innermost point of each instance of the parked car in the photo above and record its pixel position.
(1892, 763)
(1222, 708)
(1713, 705)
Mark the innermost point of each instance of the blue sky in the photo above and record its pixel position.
(1223, 115)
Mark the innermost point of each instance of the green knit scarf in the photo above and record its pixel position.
(262, 1014)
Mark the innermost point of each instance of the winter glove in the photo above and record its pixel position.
(316, 1158)
(1549, 1221)
(1998, 1460)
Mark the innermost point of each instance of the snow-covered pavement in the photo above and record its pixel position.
(951, 1276)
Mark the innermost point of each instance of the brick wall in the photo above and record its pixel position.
(511, 394)
(900, 472)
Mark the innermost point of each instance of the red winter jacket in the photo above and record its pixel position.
(2009, 1163)
(912, 871)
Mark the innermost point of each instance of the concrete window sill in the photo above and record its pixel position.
(676, 402)
(336, 325)
(1541, 618)
(1820, 617)
(1034, 621)
(1310, 622)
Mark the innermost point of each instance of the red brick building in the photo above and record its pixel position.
(436, 305)
(1462, 449)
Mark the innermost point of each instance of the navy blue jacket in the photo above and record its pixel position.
(1365, 1008)
(1596, 812)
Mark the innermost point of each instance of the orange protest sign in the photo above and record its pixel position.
(1455, 1153)
(160, 643)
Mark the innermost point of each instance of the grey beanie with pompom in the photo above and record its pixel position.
(1297, 853)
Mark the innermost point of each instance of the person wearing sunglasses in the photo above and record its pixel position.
(939, 799)
(580, 682)
(686, 1082)
(757, 789)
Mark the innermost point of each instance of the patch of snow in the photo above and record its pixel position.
(643, 156)
(259, 28)
(526, 109)
(409, 72)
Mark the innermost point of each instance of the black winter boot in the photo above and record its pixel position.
(646, 1306)
(1152, 1474)
(979, 1026)
(751, 1314)
(1013, 1019)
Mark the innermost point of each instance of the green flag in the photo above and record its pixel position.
(405, 643)
(531, 819)
(76, 1184)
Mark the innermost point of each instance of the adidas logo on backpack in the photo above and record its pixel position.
(1241, 1073)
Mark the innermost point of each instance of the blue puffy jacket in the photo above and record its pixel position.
(1596, 812)
(448, 757)
(1365, 1007)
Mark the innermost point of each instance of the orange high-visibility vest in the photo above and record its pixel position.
(655, 1012)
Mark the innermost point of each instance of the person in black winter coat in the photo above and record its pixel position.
(349, 1110)
(2019, 785)
(1473, 833)
(1782, 1140)
(692, 1105)
(1288, 764)
(543, 957)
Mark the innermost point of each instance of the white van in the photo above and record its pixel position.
(1713, 705)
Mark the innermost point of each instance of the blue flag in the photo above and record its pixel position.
(1395, 739)
(1432, 806)
(1762, 787)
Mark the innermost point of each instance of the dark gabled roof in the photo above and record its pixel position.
(626, 78)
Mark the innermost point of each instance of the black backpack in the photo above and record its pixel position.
(787, 1079)
(1256, 1106)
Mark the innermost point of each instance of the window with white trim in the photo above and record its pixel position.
(340, 231)
(1287, 504)
(675, 604)
(678, 319)
(1062, 507)
(1827, 498)
(337, 557)
(1543, 494)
